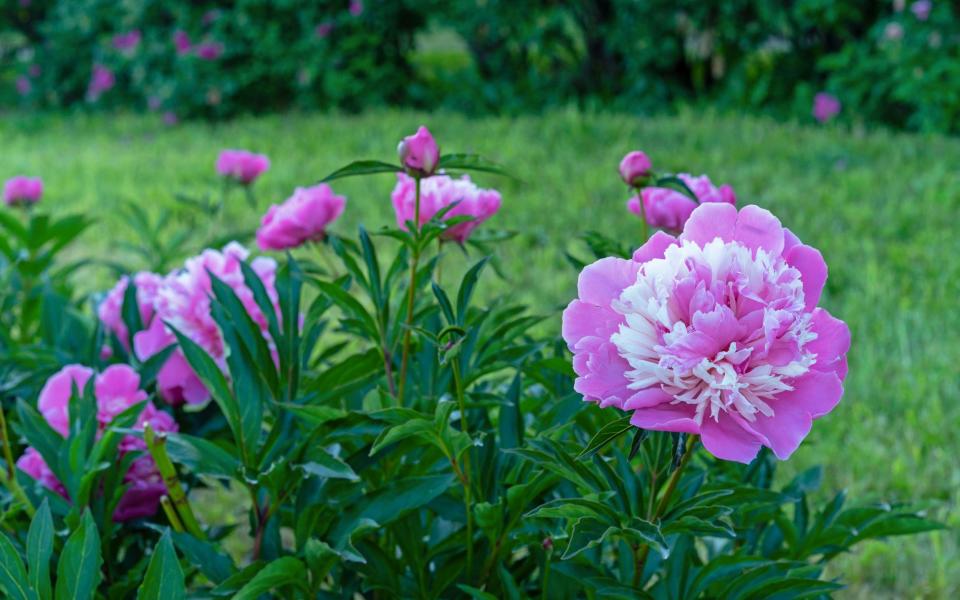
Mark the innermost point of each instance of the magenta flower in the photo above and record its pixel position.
(635, 167)
(419, 153)
(303, 217)
(24, 87)
(210, 50)
(825, 107)
(716, 332)
(115, 390)
(356, 7)
(921, 9)
(669, 209)
(127, 42)
(242, 166)
(181, 41)
(438, 192)
(22, 191)
(183, 301)
(102, 79)
(170, 118)
(323, 29)
(110, 310)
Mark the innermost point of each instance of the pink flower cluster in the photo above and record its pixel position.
(242, 166)
(669, 209)
(303, 217)
(102, 80)
(825, 107)
(127, 42)
(22, 191)
(715, 332)
(441, 191)
(182, 299)
(115, 390)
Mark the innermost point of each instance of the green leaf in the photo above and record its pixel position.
(475, 593)
(164, 577)
(279, 573)
(321, 558)
(78, 573)
(606, 435)
(39, 434)
(130, 312)
(214, 565)
(201, 456)
(151, 367)
(39, 551)
(312, 414)
(679, 183)
(13, 575)
(587, 533)
(467, 284)
(326, 465)
(510, 420)
(350, 306)
(471, 162)
(362, 167)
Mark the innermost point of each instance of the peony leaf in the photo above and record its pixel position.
(78, 572)
(13, 575)
(362, 167)
(39, 551)
(607, 434)
(277, 574)
(164, 577)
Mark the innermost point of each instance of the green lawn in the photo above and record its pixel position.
(880, 206)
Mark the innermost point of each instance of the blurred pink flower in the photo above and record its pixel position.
(24, 87)
(715, 333)
(102, 79)
(669, 209)
(242, 166)
(893, 32)
(921, 9)
(303, 217)
(170, 118)
(181, 41)
(323, 29)
(110, 310)
(635, 167)
(441, 191)
(419, 152)
(183, 301)
(22, 191)
(356, 7)
(127, 42)
(115, 390)
(825, 107)
(210, 50)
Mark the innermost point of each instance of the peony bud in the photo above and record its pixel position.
(635, 167)
(419, 153)
(22, 191)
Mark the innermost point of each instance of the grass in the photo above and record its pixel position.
(880, 206)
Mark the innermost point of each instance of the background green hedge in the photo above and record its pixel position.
(893, 62)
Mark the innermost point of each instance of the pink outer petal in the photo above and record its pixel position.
(603, 281)
(709, 221)
(601, 372)
(655, 247)
(669, 417)
(784, 431)
(727, 440)
(758, 228)
(816, 392)
(581, 320)
(832, 343)
(54, 398)
(647, 398)
(813, 271)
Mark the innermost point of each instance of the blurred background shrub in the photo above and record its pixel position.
(890, 62)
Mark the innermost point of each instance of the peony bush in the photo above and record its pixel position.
(391, 433)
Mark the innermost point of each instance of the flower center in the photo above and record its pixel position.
(722, 327)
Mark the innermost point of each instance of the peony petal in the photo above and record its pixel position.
(816, 392)
(710, 221)
(581, 320)
(602, 282)
(670, 417)
(654, 247)
(784, 431)
(727, 440)
(604, 381)
(758, 228)
(647, 398)
(832, 343)
(813, 271)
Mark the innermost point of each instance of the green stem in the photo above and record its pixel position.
(411, 296)
(643, 215)
(157, 445)
(251, 199)
(662, 505)
(171, 513)
(10, 474)
(467, 486)
(545, 580)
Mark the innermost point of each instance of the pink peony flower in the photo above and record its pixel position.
(438, 192)
(181, 41)
(419, 153)
(24, 87)
(921, 9)
(825, 107)
(323, 29)
(127, 42)
(716, 332)
(115, 390)
(169, 118)
(242, 166)
(183, 301)
(110, 310)
(210, 50)
(303, 217)
(356, 7)
(102, 80)
(635, 167)
(22, 191)
(669, 209)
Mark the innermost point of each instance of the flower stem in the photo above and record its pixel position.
(171, 513)
(9, 475)
(467, 486)
(411, 296)
(662, 505)
(643, 215)
(157, 445)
